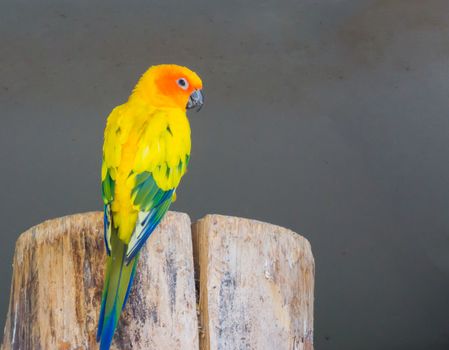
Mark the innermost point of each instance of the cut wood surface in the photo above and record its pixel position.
(256, 285)
(58, 278)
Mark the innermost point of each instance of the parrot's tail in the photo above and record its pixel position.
(117, 284)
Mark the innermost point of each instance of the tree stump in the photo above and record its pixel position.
(58, 279)
(256, 284)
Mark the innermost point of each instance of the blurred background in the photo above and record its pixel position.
(327, 117)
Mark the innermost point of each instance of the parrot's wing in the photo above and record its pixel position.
(153, 203)
(160, 159)
(107, 228)
(107, 186)
(107, 181)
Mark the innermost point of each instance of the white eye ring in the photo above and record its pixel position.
(182, 83)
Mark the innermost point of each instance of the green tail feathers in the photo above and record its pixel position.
(117, 284)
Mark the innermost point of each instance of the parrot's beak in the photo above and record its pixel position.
(196, 100)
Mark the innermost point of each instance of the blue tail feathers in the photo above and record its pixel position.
(118, 281)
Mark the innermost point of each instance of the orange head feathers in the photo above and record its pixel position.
(170, 86)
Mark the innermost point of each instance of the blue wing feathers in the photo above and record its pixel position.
(106, 221)
(150, 222)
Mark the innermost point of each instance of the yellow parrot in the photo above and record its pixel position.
(145, 154)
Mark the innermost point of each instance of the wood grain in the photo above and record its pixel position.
(256, 283)
(58, 278)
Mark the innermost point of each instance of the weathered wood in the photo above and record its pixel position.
(57, 282)
(256, 285)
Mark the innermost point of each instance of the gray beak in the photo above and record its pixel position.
(196, 100)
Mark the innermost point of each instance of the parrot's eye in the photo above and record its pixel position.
(182, 83)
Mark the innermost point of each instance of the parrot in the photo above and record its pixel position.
(146, 152)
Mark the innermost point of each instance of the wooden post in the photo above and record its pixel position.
(58, 278)
(256, 285)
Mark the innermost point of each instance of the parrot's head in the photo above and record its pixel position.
(170, 86)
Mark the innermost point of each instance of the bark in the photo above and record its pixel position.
(256, 283)
(58, 278)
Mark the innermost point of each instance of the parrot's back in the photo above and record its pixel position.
(145, 154)
(140, 195)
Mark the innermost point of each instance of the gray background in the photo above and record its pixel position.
(327, 117)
